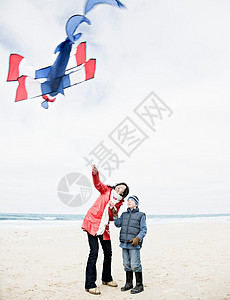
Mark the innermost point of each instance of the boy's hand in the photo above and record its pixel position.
(135, 241)
(94, 169)
(115, 214)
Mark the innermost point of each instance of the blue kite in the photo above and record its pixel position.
(65, 72)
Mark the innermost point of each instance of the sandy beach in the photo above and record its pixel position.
(180, 261)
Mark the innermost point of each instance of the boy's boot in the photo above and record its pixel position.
(129, 281)
(139, 285)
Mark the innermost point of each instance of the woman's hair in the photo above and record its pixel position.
(126, 191)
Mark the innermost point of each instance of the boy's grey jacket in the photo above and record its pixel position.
(132, 224)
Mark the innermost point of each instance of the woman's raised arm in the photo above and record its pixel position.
(101, 187)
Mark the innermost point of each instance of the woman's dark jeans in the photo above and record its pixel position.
(91, 271)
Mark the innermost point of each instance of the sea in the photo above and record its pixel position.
(34, 219)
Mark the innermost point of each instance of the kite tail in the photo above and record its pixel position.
(72, 24)
(45, 104)
(91, 3)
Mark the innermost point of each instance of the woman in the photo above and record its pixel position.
(96, 224)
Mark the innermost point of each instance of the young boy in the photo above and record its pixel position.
(133, 229)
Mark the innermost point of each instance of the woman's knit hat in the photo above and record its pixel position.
(135, 199)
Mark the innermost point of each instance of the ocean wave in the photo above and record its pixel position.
(63, 219)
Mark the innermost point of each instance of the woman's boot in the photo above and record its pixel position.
(129, 281)
(139, 285)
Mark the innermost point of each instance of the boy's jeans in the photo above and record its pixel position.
(131, 260)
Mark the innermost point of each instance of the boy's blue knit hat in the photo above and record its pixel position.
(135, 199)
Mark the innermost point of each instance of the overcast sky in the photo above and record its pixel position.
(180, 50)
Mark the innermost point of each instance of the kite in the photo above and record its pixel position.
(65, 72)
